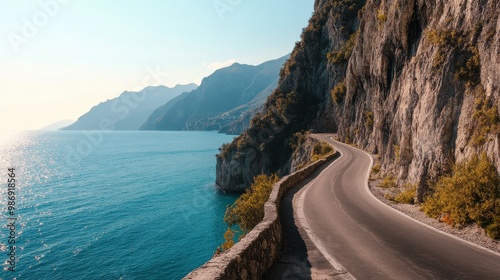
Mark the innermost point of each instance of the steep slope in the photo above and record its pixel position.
(415, 82)
(57, 125)
(222, 98)
(130, 110)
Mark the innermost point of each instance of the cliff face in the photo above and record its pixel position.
(415, 81)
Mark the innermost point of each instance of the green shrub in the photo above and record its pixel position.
(471, 194)
(376, 169)
(338, 92)
(248, 210)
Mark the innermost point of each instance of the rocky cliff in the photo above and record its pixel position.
(414, 81)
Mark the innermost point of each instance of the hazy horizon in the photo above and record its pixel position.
(63, 57)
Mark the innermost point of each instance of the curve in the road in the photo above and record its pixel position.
(351, 234)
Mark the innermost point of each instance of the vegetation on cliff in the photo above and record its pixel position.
(265, 147)
(248, 210)
(414, 83)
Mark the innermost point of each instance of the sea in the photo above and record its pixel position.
(109, 205)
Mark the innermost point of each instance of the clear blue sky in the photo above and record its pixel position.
(59, 59)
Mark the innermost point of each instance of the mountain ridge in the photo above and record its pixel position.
(221, 100)
(129, 110)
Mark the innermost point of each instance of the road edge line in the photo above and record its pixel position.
(337, 266)
(367, 188)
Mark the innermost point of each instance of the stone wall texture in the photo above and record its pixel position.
(254, 255)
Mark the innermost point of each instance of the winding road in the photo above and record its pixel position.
(349, 234)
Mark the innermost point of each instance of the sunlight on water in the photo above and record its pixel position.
(132, 207)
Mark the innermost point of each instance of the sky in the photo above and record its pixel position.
(59, 58)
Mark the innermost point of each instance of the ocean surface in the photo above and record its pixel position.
(115, 205)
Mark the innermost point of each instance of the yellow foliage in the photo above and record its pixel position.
(321, 150)
(486, 120)
(248, 210)
(229, 239)
(470, 195)
(369, 119)
(344, 53)
(338, 92)
(407, 196)
(388, 182)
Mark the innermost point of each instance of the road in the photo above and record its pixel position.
(351, 234)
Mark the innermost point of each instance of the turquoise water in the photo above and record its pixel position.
(120, 205)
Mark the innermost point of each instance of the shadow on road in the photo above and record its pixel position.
(293, 262)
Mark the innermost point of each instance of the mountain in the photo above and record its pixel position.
(224, 97)
(57, 125)
(130, 110)
(415, 82)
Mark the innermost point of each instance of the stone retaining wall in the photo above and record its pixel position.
(254, 255)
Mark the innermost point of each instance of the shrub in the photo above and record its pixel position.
(321, 150)
(493, 230)
(338, 92)
(470, 70)
(248, 210)
(225, 150)
(298, 139)
(388, 182)
(407, 196)
(444, 39)
(376, 169)
(397, 153)
(486, 120)
(381, 17)
(369, 120)
(229, 239)
(344, 53)
(471, 194)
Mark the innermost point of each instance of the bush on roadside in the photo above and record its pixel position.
(493, 230)
(321, 150)
(407, 196)
(471, 194)
(388, 182)
(248, 210)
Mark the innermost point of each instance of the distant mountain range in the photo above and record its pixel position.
(57, 125)
(130, 110)
(225, 101)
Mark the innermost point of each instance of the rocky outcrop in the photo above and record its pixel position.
(416, 82)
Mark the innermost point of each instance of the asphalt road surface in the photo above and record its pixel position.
(351, 234)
